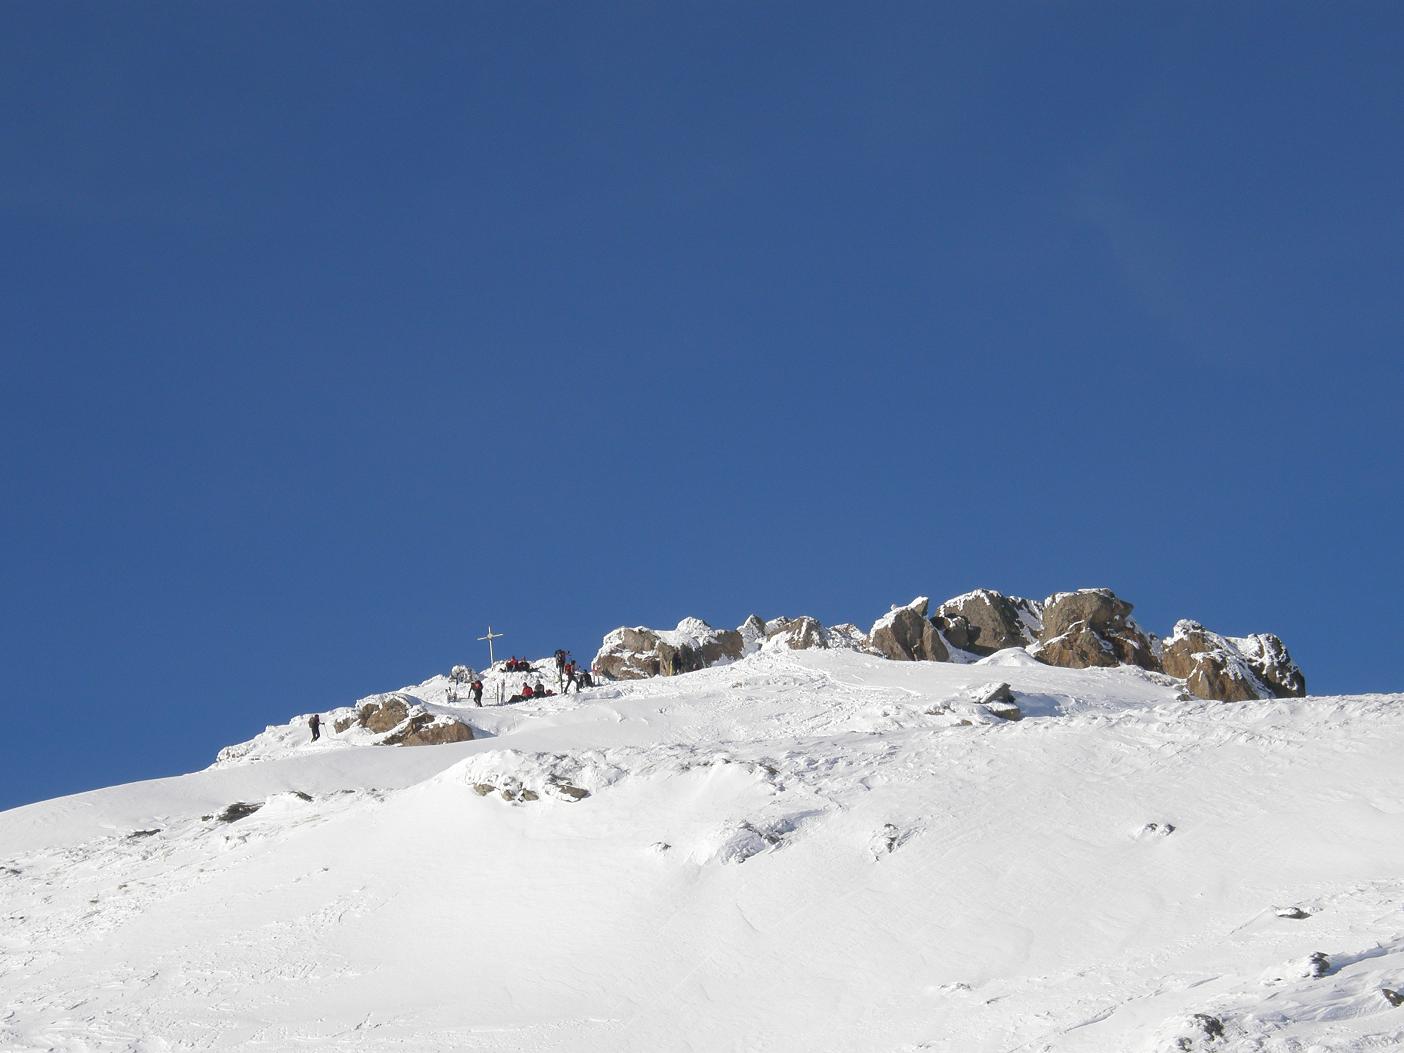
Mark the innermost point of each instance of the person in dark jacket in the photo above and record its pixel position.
(476, 690)
(315, 723)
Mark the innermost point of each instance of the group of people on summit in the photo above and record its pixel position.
(568, 675)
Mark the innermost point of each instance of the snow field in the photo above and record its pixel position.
(805, 851)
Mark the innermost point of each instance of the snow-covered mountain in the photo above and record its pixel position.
(812, 849)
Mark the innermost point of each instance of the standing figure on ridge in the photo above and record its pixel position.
(315, 723)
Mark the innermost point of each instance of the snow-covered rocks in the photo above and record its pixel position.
(984, 621)
(381, 713)
(797, 634)
(1087, 628)
(905, 634)
(402, 720)
(1092, 627)
(1230, 670)
(790, 852)
(637, 653)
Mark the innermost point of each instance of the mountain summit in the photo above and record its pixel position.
(803, 845)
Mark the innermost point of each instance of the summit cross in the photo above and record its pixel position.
(491, 636)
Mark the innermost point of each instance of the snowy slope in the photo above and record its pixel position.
(811, 850)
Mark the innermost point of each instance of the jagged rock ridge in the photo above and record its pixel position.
(1076, 630)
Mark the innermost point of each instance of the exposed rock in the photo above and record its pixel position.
(426, 729)
(1317, 966)
(1394, 998)
(637, 653)
(905, 635)
(752, 632)
(138, 834)
(382, 713)
(885, 841)
(1078, 648)
(1201, 1028)
(846, 636)
(235, 812)
(1294, 913)
(998, 699)
(1155, 830)
(1101, 609)
(1092, 627)
(482, 789)
(1214, 668)
(798, 634)
(984, 621)
(342, 723)
(1269, 658)
(569, 792)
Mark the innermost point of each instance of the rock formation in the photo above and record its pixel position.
(404, 721)
(1076, 630)
(425, 729)
(1092, 627)
(382, 713)
(1229, 670)
(984, 621)
(798, 634)
(904, 634)
(636, 653)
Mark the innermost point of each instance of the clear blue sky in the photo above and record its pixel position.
(333, 332)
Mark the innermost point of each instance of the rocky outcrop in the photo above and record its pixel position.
(1092, 627)
(797, 634)
(1076, 630)
(998, 700)
(1269, 658)
(752, 632)
(637, 653)
(846, 636)
(984, 621)
(1229, 670)
(425, 729)
(904, 634)
(404, 721)
(382, 713)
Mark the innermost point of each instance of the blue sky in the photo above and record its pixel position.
(333, 332)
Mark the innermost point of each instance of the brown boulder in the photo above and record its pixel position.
(798, 634)
(1078, 648)
(426, 729)
(905, 635)
(637, 653)
(382, 713)
(1214, 667)
(1101, 609)
(984, 621)
(1092, 627)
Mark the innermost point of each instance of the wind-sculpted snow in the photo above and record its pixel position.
(811, 850)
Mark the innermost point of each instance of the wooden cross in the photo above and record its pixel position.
(491, 636)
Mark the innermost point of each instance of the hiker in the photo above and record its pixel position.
(586, 680)
(540, 691)
(315, 723)
(476, 690)
(526, 691)
(570, 678)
